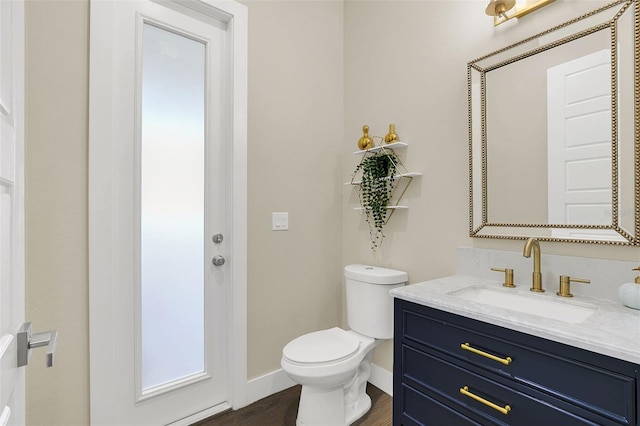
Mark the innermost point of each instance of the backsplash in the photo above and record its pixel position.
(605, 275)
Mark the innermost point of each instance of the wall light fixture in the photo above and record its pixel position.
(499, 8)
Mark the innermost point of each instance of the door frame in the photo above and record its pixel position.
(102, 103)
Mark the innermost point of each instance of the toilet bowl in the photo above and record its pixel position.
(325, 358)
(334, 365)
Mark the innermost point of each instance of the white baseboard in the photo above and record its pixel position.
(276, 381)
(382, 379)
(202, 415)
(268, 384)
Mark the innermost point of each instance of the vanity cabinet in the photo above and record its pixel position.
(452, 370)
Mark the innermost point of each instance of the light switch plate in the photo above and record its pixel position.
(280, 221)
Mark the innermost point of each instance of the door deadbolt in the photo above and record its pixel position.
(217, 238)
(218, 260)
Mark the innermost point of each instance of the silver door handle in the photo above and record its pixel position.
(218, 260)
(27, 341)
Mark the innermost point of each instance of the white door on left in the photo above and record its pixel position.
(12, 392)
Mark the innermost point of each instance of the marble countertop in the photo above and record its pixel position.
(612, 330)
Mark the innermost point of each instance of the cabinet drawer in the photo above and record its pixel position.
(446, 380)
(421, 409)
(527, 359)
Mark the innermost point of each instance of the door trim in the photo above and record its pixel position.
(102, 300)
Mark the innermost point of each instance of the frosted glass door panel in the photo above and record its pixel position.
(172, 207)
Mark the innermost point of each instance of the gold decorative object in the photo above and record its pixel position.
(499, 8)
(391, 136)
(365, 141)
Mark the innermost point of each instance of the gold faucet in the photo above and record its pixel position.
(537, 275)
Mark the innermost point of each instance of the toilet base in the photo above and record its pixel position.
(322, 407)
(359, 408)
(337, 406)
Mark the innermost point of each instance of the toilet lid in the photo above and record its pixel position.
(321, 346)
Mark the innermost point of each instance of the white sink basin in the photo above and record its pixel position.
(535, 304)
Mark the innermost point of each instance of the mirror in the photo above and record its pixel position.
(554, 145)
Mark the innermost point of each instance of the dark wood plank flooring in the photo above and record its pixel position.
(281, 409)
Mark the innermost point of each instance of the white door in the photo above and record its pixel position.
(12, 403)
(161, 239)
(579, 144)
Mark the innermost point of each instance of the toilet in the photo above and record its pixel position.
(333, 365)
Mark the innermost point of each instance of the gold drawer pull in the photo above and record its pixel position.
(467, 347)
(504, 410)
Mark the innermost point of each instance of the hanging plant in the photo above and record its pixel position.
(378, 172)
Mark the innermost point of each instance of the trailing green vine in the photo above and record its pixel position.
(378, 177)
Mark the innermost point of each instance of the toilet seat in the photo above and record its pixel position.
(321, 347)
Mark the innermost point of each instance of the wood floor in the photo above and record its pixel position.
(280, 409)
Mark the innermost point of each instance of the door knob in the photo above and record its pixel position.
(218, 260)
(27, 341)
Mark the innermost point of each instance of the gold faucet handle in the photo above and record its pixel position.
(565, 285)
(508, 276)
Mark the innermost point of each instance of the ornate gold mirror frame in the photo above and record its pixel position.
(624, 225)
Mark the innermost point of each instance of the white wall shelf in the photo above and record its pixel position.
(410, 174)
(400, 182)
(388, 207)
(394, 146)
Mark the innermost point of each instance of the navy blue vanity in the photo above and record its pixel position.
(452, 369)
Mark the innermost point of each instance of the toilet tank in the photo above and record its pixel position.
(369, 305)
